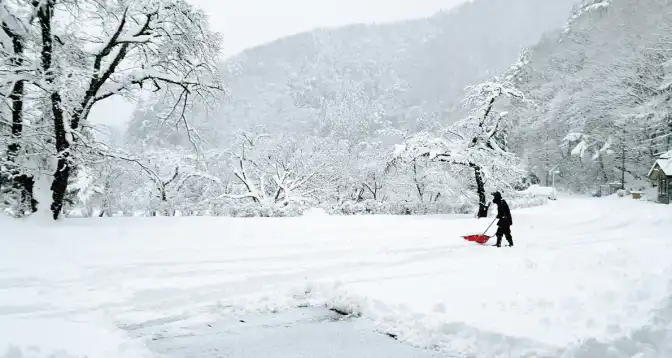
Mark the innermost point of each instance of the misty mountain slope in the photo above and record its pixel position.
(604, 96)
(394, 73)
(323, 96)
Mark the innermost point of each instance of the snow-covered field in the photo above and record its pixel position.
(587, 278)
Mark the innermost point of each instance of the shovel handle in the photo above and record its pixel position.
(486, 230)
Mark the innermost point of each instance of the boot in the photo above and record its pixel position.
(499, 242)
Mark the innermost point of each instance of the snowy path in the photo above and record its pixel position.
(583, 271)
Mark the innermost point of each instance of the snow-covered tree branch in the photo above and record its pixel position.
(477, 143)
(92, 50)
(275, 172)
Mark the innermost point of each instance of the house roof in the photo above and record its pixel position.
(665, 164)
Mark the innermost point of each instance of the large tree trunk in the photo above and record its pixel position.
(418, 186)
(480, 189)
(59, 186)
(21, 182)
(16, 98)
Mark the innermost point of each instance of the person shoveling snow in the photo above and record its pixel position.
(505, 220)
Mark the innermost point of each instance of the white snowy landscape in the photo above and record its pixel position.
(310, 178)
(587, 278)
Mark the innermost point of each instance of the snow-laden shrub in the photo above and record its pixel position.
(9, 203)
(315, 212)
(362, 207)
(527, 202)
(251, 210)
(372, 207)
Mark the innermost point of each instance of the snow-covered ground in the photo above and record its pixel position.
(587, 278)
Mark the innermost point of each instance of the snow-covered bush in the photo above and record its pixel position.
(278, 171)
(540, 191)
(404, 207)
(253, 210)
(315, 212)
(527, 202)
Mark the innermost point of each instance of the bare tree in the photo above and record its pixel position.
(477, 142)
(157, 45)
(15, 73)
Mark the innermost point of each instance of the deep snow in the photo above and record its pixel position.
(587, 278)
(295, 333)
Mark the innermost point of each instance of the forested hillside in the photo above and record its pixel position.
(346, 83)
(589, 105)
(380, 75)
(335, 101)
(603, 91)
(413, 117)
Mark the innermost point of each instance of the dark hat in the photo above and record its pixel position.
(497, 195)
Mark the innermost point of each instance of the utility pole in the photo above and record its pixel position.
(623, 161)
(553, 171)
(669, 133)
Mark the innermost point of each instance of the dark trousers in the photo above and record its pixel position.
(504, 231)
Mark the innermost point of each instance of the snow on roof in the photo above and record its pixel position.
(665, 164)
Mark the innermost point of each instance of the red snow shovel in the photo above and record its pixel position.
(481, 239)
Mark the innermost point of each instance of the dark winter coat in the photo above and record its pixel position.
(503, 213)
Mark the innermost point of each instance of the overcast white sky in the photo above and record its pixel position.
(247, 23)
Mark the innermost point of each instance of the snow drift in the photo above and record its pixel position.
(587, 278)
